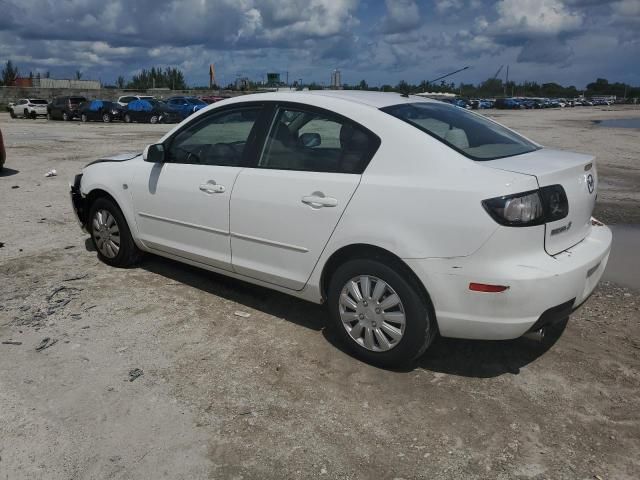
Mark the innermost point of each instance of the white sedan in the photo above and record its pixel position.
(406, 216)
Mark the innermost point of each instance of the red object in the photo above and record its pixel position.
(483, 287)
(23, 82)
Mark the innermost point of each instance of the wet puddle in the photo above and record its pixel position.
(619, 123)
(624, 262)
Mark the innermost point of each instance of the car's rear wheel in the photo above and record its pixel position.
(154, 119)
(66, 117)
(106, 118)
(25, 114)
(84, 118)
(49, 117)
(380, 313)
(127, 118)
(111, 235)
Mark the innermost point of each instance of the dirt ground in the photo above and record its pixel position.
(271, 396)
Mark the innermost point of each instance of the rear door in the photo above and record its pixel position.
(286, 206)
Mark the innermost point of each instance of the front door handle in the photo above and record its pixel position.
(212, 187)
(319, 200)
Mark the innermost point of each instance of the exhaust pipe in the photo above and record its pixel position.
(537, 335)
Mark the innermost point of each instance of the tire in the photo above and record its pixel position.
(34, 115)
(25, 114)
(104, 212)
(106, 118)
(49, 116)
(66, 117)
(12, 114)
(420, 326)
(84, 118)
(127, 118)
(154, 119)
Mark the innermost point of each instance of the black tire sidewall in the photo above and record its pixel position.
(128, 250)
(419, 328)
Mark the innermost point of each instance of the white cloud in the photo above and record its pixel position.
(535, 18)
(402, 16)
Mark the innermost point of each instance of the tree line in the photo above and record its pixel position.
(173, 78)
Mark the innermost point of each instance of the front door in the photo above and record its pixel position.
(284, 208)
(182, 205)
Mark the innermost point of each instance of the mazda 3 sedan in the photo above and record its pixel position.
(406, 216)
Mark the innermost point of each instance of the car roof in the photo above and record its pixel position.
(373, 99)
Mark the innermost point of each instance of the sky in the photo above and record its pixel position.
(571, 42)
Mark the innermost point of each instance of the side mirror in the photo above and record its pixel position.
(154, 153)
(310, 140)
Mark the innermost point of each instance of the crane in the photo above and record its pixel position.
(497, 73)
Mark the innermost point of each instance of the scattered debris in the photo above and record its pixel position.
(76, 277)
(51, 173)
(68, 247)
(11, 342)
(135, 373)
(90, 307)
(238, 313)
(1, 244)
(46, 343)
(15, 186)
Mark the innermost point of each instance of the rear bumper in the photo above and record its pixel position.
(541, 287)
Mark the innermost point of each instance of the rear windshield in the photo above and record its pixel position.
(77, 99)
(39, 102)
(470, 134)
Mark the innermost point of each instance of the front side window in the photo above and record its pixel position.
(320, 142)
(39, 102)
(472, 135)
(218, 139)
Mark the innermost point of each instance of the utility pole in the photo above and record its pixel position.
(506, 81)
(287, 78)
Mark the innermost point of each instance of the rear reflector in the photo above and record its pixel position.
(483, 287)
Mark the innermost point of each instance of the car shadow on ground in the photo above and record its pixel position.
(8, 172)
(466, 358)
(301, 313)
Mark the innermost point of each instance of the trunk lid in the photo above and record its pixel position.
(577, 175)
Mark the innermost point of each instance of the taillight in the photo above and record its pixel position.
(527, 209)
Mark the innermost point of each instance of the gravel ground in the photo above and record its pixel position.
(150, 373)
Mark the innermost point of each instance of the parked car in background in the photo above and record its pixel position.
(406, 216)
(150, 111)
(64, 108)
(127, 99)
(100, 110)
(3, 153)
(507, 104)
(211, 99)
(28, 108)
(185, 106)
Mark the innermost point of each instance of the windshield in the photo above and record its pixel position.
(470, 134)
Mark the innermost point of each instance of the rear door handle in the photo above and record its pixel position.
(318, 200)
(212, 187)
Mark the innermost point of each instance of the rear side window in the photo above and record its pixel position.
(317, 141)
(39, 102)
(472, 135)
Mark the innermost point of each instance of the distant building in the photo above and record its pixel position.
(336, 79)
(273, 80)
(242, 83)
(76, 84)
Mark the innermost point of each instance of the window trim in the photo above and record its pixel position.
(453, 147)
(251, 139)
(274, 106)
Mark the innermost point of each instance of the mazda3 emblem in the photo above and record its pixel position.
(590, 183)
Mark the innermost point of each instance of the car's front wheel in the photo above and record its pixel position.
(154, 119)
(84, 118)
(12, 114)
(106, 118)
(379, 312)
(111, 235)
(66, 117)
(127, 118)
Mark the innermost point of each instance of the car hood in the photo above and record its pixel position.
(121, 157)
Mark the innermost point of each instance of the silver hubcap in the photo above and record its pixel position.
(106, 233)
(372, 313)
